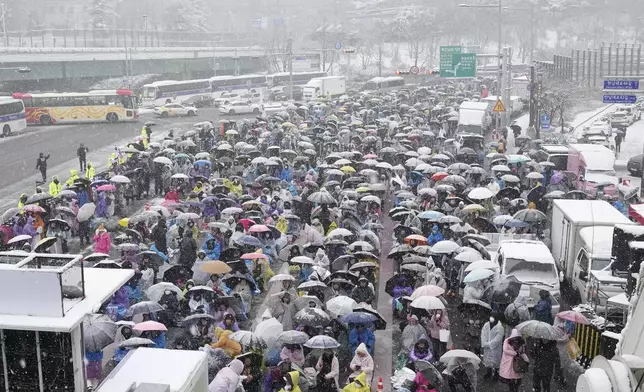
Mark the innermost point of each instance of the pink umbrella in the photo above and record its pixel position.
(253, 256)
(429, 289)
(150, 326)
(370, 156)
(34, 208)
(575, 317)
(107, 187)
(259, 229)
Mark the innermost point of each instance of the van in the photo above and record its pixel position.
(532, 264)
(555, 153)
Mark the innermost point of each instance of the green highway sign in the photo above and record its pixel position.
(456, 64)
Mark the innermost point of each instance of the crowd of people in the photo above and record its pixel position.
(286, 214)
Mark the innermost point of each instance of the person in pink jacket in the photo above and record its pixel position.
(434, 325)
(512, 347)
(102, 240)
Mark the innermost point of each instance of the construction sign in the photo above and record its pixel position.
(498, 107)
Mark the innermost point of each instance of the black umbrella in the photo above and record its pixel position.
(392, 282)
(196, 318)
(503, 292)
(380, 322)
(248, 240)
(312, 317)
(509, 192)
(177, 273)
(577, 195)
(345, 275)
(536, 194)
(230, 254)
(38, 197)
(483, 225)
(431, 374)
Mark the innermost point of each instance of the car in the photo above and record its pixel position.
(226, 98)
(634, 165)
(251, 97)
(285, 94)
(175, 110)
(200, 101)
(240, 107)
(619, 119)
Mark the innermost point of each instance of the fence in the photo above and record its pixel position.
(590, 66)
(89, 38)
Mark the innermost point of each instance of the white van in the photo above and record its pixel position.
(533, 265)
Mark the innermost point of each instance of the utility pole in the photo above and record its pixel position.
(533, 96)
(324, 44)
(290, 63)
(214, 59)
(4, 24)
(380, 60)
(503, 93)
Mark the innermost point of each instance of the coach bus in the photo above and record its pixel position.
(12, 116)
(95, 106)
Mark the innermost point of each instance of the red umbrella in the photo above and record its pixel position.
(107, 187)
(246, 223)
(150, 326)
(439, 176)
(575, 317)
(416, 237)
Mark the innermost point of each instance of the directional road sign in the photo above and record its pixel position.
(338, 45)
(498, 107)
(621, 84)
(545, 121)
(619, 98)
(456, 64)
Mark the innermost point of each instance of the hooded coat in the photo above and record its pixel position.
(295, 378)
(102, 242)
(227, 378)
(224, 342)
(295, 356)
(335, 369)
(517, 312)
(362, 378)
(365, 363)
(411, 334)
(506, 369)
(492, 344)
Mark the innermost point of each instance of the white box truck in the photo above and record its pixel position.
(328, 86)
(581, 235)
(165, 370)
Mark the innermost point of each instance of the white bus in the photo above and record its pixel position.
(299, 78)
(384, 84)
(166, 91)
(12, 115)
(242, 84)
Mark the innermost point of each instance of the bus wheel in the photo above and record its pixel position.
(256, 111)
(112, 117)
(45, 120)
(168, 100)
(231, 112)
(191, 113)
(164, 114)
(6, 131)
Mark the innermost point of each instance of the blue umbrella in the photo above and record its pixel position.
(431, 215)
(202, 162)
(359, 318)
(248, 240)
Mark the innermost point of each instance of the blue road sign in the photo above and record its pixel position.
(545, 121)
(278, 22)
(619, 99)
(621, 84)
(338, 45)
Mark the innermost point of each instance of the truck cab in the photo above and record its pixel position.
(594, 166)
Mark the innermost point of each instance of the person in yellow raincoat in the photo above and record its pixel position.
(73, 176)
(198, 187)
(282, 225)
(90, 173)
(332, 227)
(292, 381)
(234, 186)
(224, 342)
(359, 384)
(22, 200)
(55, 187)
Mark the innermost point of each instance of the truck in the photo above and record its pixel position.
(156, 369)
(581, 235)
(594, 166)
(473, 117)
(328, 86)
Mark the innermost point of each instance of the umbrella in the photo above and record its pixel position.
(322, 342)
(480, 194)
(197, 317)
(36, 197)
(86, 212)
(359, 318)
(510, 178)
(380, 322)
(428, 290)
(431, 215)
(292, 337)
(504, 291)
(341, 305)
(322, 197)
(281, 278)
(416, 237)
(311, 317)
(155, 292)
(575, 317)
(120, 179)
(478, 274)
(19, 238)
(501, 168)
(248, 240)
(340, 232)
(269, 330)
(144, 307)
(530, 215)
(249, 340)
(66, 193)
(107, 187)
(163, 160)
(445, 246)
(427, 302)
(34, 208)
(473, 208)
(10, 213)
(150, 326)
(500, 220)
(459, 353)
(540, 330)
(309, 284)
(136, 342)
(482, 264)
(362, 245)
(99, 332)
(44, 244)
(216, 267)
(96, 257)
(462, 227)
(431, 374)
(535, 176)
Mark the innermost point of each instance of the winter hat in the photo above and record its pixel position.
(237, 366)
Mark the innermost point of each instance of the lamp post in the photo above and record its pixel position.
(531, 10)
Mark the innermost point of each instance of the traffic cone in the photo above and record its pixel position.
(380, 386)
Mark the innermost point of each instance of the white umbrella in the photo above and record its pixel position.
(535, 176)
(482, 264)
(468, 257)
(281, 278)
(341, 305)
(478, 274)
(510, 178)
(269, 330)
(445, 246)
(86, 212)
(427, 302)
(163, 160)
(501, 168)
(120, 179)
(180, 175)
(480, 194)
(458, 353)
(339, 232)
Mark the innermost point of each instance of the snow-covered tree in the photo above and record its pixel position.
(102, 14)
(188, 16)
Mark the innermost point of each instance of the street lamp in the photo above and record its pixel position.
(531, 9)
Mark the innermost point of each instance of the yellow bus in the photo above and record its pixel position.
(94, 106)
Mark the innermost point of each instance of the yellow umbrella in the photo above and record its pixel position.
(124, 222)
(362, 189)
(347, 169)
(216, 267)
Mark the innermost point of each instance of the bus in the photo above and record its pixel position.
(12, 116)
(300, 78)
(95, 106)
(166, 91)
(384, 84)
(242, 84)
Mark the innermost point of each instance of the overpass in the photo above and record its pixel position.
(56, 68)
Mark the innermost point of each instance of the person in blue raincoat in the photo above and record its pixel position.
(212, 248)
(361, 334)
(435, 236)
(286, 174)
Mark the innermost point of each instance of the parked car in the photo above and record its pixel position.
(240, 107)
(200, 101)
(619, 119)
(251, 97)
(285, 94)
(226, 98)
(634, 165)
(175, 110)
